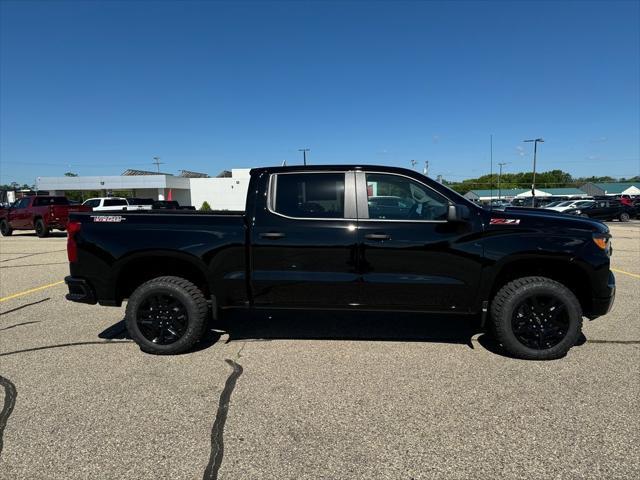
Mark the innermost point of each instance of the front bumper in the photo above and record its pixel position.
(80, 291)
(602, 305)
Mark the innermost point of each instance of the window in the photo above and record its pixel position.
(22, 203)
(115, 202)
(92, 203)
(309, 195)
(44, 201)
(393, 197)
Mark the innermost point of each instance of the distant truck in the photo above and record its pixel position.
(39, 213)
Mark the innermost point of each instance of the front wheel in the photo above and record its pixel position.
(5, 228)
(41, 229)
(536, 318)
(166, 315)
(624, 217)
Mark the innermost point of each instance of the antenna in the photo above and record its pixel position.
(157, 162)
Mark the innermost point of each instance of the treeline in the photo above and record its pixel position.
(550, 179)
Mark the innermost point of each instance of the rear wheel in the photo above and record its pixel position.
(5, 228)
(166, 315)
(624, 217)
(41, 229)
(536, 318)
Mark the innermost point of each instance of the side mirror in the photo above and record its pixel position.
(458, 213)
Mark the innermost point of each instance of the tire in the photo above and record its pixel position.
(179, 326)
(528, 332)
(624, 217)
(41, 229)
(5, 229)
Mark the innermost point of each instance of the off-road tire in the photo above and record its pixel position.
(41, 229)
(624, 217)
(5, 229)
(513, 294)
(188, 295)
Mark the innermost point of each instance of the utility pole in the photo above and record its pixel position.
(426, 168)
(157, 162)
(502, 164)
(533, 180)
(304, 154)
(413, 164)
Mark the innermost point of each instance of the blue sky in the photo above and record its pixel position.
(98, 87)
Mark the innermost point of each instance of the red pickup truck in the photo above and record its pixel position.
(39, 213)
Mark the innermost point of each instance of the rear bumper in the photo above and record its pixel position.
(80, 291)
(602, 305)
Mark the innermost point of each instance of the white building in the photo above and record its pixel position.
(225, 192)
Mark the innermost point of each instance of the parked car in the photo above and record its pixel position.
(140, 203)
(606, 210)
(569, 204)
(37, 212)
(308, 239)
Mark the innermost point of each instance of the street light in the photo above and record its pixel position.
(533, 180)
(500, 175)
(304, 154)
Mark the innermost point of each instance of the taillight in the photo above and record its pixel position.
(73, 227)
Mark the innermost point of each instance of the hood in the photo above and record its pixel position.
(538, 219)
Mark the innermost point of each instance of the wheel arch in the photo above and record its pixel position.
(140, 267)
(561, 269)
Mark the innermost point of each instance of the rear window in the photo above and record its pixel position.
(43, 201)
(115, 202)
(309, 195)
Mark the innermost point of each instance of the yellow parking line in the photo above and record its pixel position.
(634, 275)
(27, 292)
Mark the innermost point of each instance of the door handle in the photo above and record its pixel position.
(377, 236)
(272, 235)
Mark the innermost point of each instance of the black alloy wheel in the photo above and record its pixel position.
(162, 318)
(167, 315)
(540, 321)
(535, 318)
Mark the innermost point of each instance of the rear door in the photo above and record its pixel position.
(303, 242)
(411, 256)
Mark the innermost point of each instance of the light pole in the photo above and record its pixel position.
(500, 175)
(533, 180)
(157, 162)
(304, 154)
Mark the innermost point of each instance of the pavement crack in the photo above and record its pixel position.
(62, 345)
(25, 306)
(19, 325)
(10, 394)
(217, 430)
(619, 342)
(30, 255)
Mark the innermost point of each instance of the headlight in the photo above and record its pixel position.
(577, 212)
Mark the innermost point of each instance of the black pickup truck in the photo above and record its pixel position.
(346, 237)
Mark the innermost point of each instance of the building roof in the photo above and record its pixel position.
(564, 191)
(615, 187)
(132, 172)
(190, 174)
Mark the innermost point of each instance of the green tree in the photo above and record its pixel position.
(205, 207)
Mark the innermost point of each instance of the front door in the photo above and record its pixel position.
(411, 256)
(304, 242)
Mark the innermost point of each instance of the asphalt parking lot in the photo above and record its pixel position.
(307, 396)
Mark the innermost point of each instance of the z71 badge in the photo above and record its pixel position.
(108, 218)
(504, 221)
